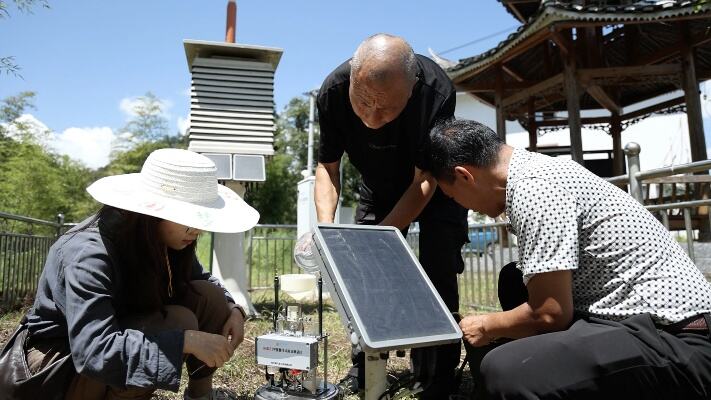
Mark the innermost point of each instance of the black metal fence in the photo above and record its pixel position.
(269, 254)
(24, 243)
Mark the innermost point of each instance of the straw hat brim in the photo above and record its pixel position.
(228, 213)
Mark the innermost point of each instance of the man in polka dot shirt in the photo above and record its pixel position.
(603, 302)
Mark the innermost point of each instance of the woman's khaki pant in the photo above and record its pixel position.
(206, 310)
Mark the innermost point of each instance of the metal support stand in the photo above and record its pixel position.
(324, 339)
(276, 301)
(375, 373)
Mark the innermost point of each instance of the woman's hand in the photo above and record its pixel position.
(234, 328)
(213, 350)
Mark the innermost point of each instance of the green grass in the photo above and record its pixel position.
(478, 290)
(8, 323)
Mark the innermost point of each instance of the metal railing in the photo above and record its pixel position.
(270, 253)
(492, 246)
(636, 178)
(24, 243)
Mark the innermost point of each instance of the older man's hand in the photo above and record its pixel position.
(473, 330)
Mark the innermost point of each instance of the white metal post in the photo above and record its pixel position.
(375, 373)
(228, 263)
(305, 206)
(310, 153)
(632, 151)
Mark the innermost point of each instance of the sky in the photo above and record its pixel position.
(88, 60)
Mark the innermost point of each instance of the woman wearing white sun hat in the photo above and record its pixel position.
(122, 300)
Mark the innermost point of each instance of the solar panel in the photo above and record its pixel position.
(223, 162)
(380, 289)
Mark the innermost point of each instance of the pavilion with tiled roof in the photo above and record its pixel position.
(573, 55)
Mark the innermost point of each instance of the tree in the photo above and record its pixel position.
(145, 132)
(34, 181)
(21, 5)
(13, 107)
(37, 182)
(276, 198)
(295, 121)
(7, 63)
(131, 160)
(148, 124)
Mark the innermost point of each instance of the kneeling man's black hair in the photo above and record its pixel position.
(459, 143)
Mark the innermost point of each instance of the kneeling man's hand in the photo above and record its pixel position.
(473, 330)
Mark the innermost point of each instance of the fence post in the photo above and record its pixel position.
(689, 234)
(60, 224)
(632, 150)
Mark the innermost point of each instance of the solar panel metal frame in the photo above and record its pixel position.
(344, 303)
(238, 172)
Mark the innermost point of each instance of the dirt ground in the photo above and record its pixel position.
(241, 377)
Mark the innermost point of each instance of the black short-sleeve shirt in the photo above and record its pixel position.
(385, 157)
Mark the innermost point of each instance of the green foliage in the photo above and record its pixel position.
(34, 181)
(142, 134)
(276, 198)
(22, 5)
(13, 107)
(203, 250)
(147, 124)
(350, 183)
(131, 160)
(7, 63)
(37, 182)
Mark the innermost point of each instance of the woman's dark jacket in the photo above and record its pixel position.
(79, 296)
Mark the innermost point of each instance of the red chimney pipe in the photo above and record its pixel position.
(231, 21)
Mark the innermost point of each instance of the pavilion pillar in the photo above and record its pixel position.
(532, 127)
(693, 103)
(498, 102)
(572, 95)
(618, 157)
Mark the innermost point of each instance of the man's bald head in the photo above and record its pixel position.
(383, 75)
(383, 57)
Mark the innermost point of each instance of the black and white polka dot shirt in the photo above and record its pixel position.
(624, 261)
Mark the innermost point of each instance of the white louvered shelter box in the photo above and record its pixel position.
(232, 104)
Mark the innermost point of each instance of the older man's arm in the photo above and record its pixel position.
(549, 308)
(413, 201)
(326, 190)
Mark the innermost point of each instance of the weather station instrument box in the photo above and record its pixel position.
(293, 352)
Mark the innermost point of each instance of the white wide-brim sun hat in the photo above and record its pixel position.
(179, 186)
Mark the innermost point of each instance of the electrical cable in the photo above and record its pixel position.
(489, 36)
(404, 382)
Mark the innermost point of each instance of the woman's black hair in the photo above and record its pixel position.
(143, 260)
(459, 143)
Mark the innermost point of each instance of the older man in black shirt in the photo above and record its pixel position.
(378, 107)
